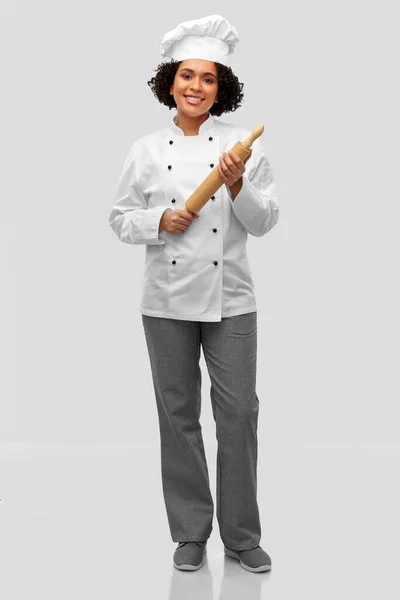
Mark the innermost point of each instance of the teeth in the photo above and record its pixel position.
(193, 98)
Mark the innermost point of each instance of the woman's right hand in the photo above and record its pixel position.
(176, 221)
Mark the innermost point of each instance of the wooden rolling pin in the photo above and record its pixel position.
(213, 181)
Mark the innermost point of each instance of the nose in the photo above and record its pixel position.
(195, 86)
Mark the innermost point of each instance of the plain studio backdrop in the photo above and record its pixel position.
(80, 480)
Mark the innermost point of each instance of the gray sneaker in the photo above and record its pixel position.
(254, 560)
(189, 556)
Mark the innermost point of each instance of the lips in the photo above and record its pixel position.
(190, 100)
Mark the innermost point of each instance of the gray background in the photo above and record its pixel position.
(79, 453)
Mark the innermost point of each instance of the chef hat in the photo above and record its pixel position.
(208, 38)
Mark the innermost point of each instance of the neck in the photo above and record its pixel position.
(190, 125)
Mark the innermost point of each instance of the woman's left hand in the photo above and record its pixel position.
(231, 167)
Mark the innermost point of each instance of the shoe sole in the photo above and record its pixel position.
(191, 567)
(233, 554)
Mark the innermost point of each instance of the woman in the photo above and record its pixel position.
(198, 291)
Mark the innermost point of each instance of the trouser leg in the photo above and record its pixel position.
(230, 351)
(174, 352)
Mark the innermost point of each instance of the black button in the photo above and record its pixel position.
(215, 262)
(173, 200)
(173, 262)
(214, 230)
(171, 142)
(212, 164)
(210, 138)
(169, 166)
(212, 197)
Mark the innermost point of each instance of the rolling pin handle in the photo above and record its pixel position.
(253, 136)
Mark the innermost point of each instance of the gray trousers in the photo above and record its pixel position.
(230, 352)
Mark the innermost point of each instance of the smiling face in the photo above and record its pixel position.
(198, 78)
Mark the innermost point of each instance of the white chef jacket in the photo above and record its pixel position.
(202, 274)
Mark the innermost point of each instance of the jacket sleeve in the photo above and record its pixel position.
(256, 205)
(130, 218)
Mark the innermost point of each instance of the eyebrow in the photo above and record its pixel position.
(192, 71)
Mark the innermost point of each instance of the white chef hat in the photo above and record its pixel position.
(208, 38)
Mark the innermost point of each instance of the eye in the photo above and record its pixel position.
(186, 75)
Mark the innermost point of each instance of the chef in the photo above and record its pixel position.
(198, 289)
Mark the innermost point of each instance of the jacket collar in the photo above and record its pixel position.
(204, 127)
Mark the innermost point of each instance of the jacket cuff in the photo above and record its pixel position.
(248, 202)
(256, 212)
(150, 233)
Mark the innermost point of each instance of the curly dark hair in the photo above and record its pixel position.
(229, 88)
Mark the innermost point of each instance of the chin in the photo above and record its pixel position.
(196, 110)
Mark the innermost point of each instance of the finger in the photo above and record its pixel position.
(231, 168)
(229, 162)
(235, 158)
(225, 179)
(221, 173)
(223, 166)
(238, 167)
